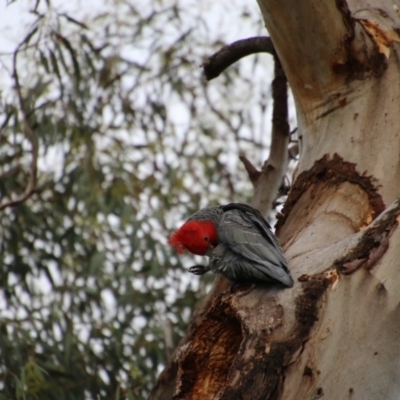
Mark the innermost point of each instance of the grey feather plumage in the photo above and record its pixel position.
(248, 251)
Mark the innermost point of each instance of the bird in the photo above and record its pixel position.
(238, 241)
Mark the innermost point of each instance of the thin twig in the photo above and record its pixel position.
(231, 53)
(252, 171)
(169, 343)
(30, 135)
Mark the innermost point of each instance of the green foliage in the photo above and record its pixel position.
(131, 141)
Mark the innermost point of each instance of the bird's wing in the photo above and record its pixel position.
(246, 233)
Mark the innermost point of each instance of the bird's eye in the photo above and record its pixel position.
(206, 239)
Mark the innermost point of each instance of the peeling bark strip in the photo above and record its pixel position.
(373, 243)
(364, 57)
(332, 172)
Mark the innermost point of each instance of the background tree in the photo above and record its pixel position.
(335, 334)
(109, 138)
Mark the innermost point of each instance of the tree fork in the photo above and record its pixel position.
(341, 61)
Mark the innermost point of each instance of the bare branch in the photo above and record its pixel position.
(275, 167)
(28, 131)
(229, 54)
(266, 182)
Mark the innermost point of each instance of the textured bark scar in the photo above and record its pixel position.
(331, 172)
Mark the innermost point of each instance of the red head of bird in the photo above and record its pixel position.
(195, 236)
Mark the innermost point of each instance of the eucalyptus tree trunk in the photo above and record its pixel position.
(336, 334)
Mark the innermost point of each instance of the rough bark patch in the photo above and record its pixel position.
(257, 370)
(231, 355)
(265, 377)
(308, 305)
(332, 172)
(205, 361)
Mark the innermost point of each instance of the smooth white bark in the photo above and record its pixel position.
(343, 67)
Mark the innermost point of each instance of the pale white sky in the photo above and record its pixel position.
(14, 19)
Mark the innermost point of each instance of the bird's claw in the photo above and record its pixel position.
(199, 269)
